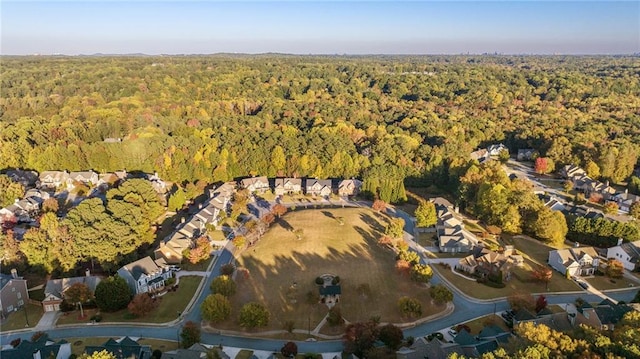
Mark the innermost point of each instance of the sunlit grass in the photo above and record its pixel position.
(282, 269)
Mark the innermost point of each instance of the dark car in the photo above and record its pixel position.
(584, 285)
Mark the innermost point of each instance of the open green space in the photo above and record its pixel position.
(18, 320)
(78, 344)
(280, 270)
(197, 267)
(170, 304)
(244, 354)
(427, 239)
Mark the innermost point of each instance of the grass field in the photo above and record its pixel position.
(478, 324)
(170, 304)
(282, 270)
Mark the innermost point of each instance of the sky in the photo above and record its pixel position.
(319, 27)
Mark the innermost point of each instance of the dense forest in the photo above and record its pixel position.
(384, 119)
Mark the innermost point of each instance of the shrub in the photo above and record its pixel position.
(409, 307)
(223, 285)
(227, 269)
(319, 281)
(96, 318)
(335, 280)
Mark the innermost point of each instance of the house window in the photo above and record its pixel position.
(10, 308)
(13, 289)
(19, 295)
(20, 302)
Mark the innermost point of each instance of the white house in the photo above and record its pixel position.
(627, 253)
(256, 184)
(287, 186)
(145, 275)
(317, 187)
(577, 261)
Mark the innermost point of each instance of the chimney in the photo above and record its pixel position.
(606, 183)
(182, 220)
(200, 206)
(619, 241)
(626, 191)
(576, 245)
(14, 273)
(87, 273)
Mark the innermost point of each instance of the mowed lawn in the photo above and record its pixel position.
(282, 270)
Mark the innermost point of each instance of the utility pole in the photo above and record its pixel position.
(26, 318)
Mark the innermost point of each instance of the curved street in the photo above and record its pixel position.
(466, 308)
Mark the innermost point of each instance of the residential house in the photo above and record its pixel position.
(55, 289)
(255, 184)
(434, 349)
(627, 253)
(495, 150)
(555, 204)
(526, 154)
(583, 183)
(452, 236)
(577, 261)
(480, 155)
(318, 187)
(484, 262)
(349, 187)
(28, 179)
(145, 275)
(196, 351)
(625, 200)
(42, 348)
(123, 348)
(13, 293)
(474, 347)
(53, 179)
(603, 316)
(159, 185)
(572, 171)
(284, 186)
(207, 214)
(88, 178)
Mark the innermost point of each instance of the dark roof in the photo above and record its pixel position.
(544, 311)
(486, 347)
(27, 348)
(464, 338)
(523, 314)
(612, 313)
(330, 290)
(490, 331)
(127, 348)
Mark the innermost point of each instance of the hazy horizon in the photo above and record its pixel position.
(320, 28)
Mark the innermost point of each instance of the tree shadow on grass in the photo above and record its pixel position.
(328, 214)
(284, 224)
(372, 222)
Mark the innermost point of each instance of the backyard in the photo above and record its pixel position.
(170, 304)
(280, 270)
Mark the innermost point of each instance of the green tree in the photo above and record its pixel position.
(550, 226)
(38, 249)
(177, 200)
(395, 228)
(409, 307)
(216, 308)
(112, 294)
(441, 294)
(610, 208)
(10, 249)
(50, 205)
(253, 315)
(190, 334)
(142, 304)
(391, 336)
(426, 215)
(9, 191)
(421, 273)
(592, 170)
(634, 210)
(77, 294)
(223, 285)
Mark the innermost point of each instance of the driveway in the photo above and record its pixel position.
(47, 321)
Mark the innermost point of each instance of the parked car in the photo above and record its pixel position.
(584, 285)
(452, 332)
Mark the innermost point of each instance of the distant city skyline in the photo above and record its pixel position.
(325, 27)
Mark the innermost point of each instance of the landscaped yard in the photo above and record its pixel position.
(427, 239)
(18, 320)
(521, 282)
(529, 247)
(78, 344)
(170, 304)
(601, 282)
(282, 270)
(198, 267)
